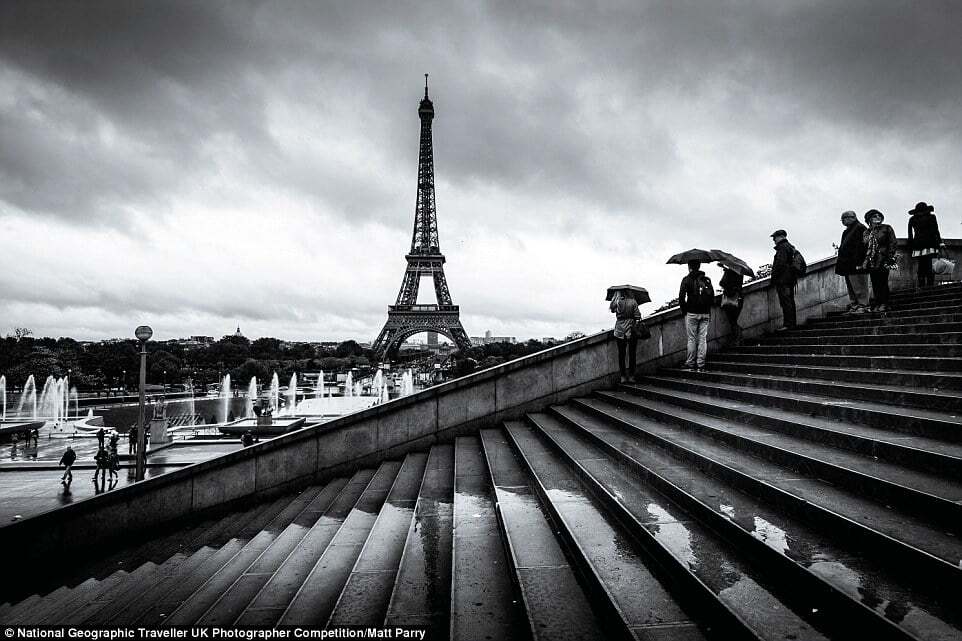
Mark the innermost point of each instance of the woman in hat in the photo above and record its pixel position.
(879, 240)
(924, 241)
(627, 316)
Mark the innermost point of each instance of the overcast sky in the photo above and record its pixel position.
(201, 165)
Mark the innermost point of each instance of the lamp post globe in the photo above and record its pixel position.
(143, 333)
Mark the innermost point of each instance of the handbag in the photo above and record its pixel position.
(943, 266)
(642, 330)
(729, 301)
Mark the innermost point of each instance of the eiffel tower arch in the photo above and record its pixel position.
(406, 317)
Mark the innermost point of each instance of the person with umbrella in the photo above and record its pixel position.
(696, 295)
(624, 305)
(732, 280)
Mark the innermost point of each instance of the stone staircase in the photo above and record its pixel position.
(807, 487)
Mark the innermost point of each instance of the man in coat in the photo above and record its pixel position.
(851, 253)
(784, 277)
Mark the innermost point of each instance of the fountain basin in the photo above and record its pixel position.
(279, 425)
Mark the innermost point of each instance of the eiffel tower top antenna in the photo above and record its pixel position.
(425, 86)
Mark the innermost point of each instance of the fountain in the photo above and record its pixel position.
(292, 394)
(407, 383)
(377, 383)
(319, 389)
(349, 385)
(29, 398)
(193, 408)
(275, 393)
(225, 391)
(251, 397)
(3, 397)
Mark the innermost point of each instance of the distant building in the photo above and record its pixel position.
(203, 340)
(574, 336)
(487, 339)
(238, 332)
(549, 340)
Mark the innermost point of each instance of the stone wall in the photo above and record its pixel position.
(317, 453)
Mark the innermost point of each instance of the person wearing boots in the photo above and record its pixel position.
(784, 278)
(924, 241)
(879, 240)
(848, 265)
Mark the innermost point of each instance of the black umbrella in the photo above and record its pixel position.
(701, 255)
(640, 294)
(735, 264)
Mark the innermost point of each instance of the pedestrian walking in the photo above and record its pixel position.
(924, 241)
(696, 295)
(67, 460)
(132, 440)
(785, 273)
(627, 316)
(102, 459)
(732, 300)
(113, 462)
(848, 264)
(879, 240)
(100, 438)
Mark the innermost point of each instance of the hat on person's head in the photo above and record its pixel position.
(780, 232)
(871, 213)
(921, 208)
(849, 214)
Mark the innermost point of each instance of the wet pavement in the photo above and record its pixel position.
(30, 474)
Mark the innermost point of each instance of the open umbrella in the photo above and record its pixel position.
(734, 263)
(701, 255)
(640, 294)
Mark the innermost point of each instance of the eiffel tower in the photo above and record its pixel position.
(406, 318)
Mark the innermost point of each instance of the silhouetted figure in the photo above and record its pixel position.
(132, 440)
(924, 241)
(848, 264)
(880, 242)
(247, 439)
(102, 459)
(67, 460)
(100, 438)
(784, 277)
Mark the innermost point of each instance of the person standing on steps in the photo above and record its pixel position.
(627, 316)
(731, 303)
(848, 265)
(924, 241)
(784, 277)
(696, 295)
(67, 460)
(880, 242)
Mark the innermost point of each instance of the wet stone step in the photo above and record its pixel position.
(932, 381)
(830, 348)
(541, 569)
(759, 474)
(484, 604)
(933, 495)
(942, 400)
(235, 599)
(194, 607)
(280, 589)
(925, 611)
(925, 364)
(913, 421)
(316, 598)
(367, 593)
(422, 591)
(619, 574)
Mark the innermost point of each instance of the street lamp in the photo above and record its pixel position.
(143, 334)
(123, 384)
(165, 383)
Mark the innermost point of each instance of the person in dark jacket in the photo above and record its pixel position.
(731, 284)
(784, 277)
(924, 241)
(695, 297)
(879, 240)
(851, 253)
(67, 460)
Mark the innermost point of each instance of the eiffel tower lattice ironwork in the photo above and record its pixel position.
(406, 317)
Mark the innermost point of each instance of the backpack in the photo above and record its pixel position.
(702, 292)
(798, 263)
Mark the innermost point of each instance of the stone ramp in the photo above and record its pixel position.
(744, 502)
